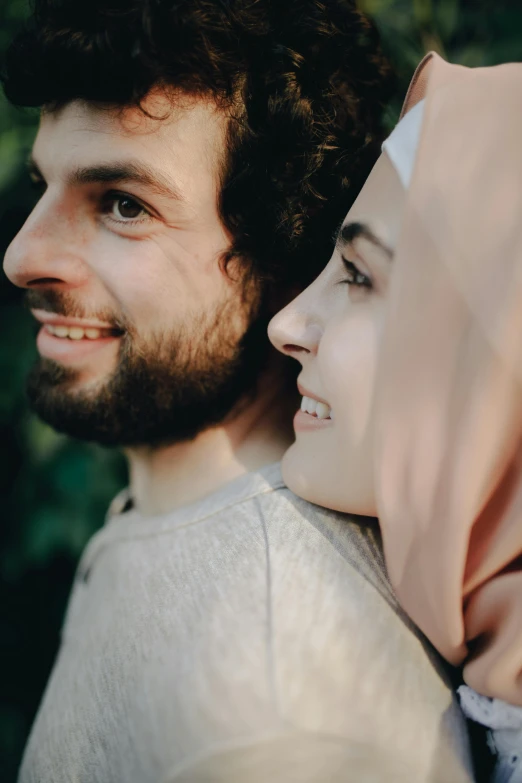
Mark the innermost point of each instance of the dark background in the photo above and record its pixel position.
(54, 491)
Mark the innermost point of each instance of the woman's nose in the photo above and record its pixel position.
(45, 252)
(294, 330)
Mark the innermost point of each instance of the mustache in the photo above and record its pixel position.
(65, 304)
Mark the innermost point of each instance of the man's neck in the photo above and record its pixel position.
(170, 477)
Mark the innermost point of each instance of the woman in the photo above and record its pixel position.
(411, 347)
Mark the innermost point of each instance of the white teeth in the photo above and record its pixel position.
(322, 411)
(311, 405)
(318, 409)
(74, 332)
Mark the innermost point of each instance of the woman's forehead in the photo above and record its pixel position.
(380, 204)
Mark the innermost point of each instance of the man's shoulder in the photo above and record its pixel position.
(254, 513)
(313, 538)
(339, 639)
(322, 543)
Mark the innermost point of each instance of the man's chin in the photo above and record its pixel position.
(49, 377)
(69, 401)
(130, 410)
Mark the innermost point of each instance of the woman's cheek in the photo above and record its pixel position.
(347, 362)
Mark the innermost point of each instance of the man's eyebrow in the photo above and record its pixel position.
(121, 171)
(348, 233)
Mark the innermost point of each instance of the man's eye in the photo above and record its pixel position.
(126, 208)
(355, 276)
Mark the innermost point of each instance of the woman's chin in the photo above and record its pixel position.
(300, 477)
(312, 479)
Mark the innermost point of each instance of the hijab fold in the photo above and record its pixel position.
(449, 391)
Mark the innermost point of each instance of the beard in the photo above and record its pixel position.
(165, 389)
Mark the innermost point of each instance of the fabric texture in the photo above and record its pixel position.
(449, 397)
(402, 144)
(505, 735)
(249, 637)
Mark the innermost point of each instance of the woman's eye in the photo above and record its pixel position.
(38, 186)
(355, 276)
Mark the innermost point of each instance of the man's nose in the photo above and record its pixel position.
(46, 251)
(295, 331)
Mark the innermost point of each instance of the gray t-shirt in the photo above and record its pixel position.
(249, 638)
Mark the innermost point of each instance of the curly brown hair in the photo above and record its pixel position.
(304, 83)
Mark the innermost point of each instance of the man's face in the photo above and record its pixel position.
(143, 334)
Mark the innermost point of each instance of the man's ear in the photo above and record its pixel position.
(419, 83)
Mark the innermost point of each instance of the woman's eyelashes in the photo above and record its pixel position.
(38, 186)
(355, 276)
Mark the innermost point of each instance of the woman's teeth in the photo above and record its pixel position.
(318, 409)
(77, 332)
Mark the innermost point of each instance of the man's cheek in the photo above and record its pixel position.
(145, 305)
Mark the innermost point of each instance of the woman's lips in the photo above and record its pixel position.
(315, 412)
(306, 394)
(306, 422)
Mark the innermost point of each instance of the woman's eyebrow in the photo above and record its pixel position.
(351, 231)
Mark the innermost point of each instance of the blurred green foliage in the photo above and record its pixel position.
(54, 492)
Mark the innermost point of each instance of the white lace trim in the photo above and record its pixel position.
(493, 713)
(504, 722)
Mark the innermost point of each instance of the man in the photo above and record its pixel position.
(193, 156)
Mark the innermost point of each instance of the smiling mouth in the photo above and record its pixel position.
(81, 333)
(318, 410)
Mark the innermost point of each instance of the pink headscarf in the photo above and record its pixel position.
(449, 393)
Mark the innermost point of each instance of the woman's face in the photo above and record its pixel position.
(334, 329)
